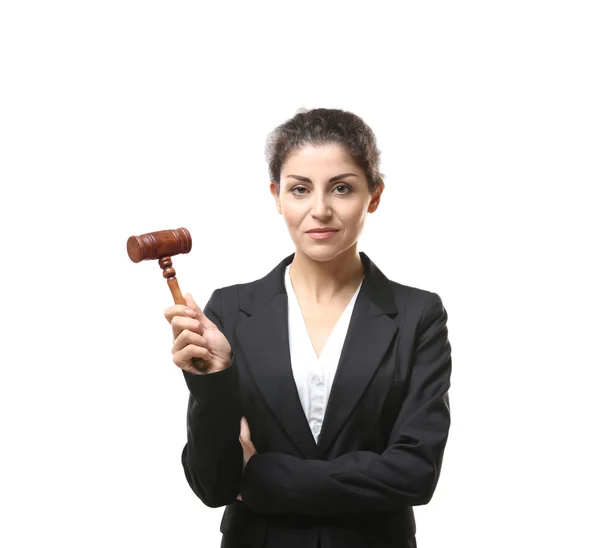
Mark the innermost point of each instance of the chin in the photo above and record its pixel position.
(320, 253)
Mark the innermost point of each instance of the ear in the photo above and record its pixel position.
(376, 197)
(273, 189)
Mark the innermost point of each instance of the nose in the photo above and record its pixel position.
(321, 207)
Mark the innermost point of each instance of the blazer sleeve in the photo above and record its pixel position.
(406, 473)
(212, 458)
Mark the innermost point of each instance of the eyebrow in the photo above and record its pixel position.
(337, 177)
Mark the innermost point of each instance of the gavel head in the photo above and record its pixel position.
(156, 245)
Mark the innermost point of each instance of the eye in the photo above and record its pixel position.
(298, 188)
(343, 185)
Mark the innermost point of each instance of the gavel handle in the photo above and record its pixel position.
(175, 291)
(169, 273)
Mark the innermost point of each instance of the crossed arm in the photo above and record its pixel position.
(406, 473)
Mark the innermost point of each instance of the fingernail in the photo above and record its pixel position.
(190, 312)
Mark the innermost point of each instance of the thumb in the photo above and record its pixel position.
(244, 430)
(204, 319)
(189, 300)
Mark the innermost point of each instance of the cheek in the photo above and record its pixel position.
(292, 215)
(292, 219)
(355, 217)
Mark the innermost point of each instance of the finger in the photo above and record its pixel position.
(245, 431)
(179, 310)
(187, 337)
(183, 357)
(244, 428)
(180, 323)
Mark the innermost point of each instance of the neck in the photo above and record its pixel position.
(322, 281)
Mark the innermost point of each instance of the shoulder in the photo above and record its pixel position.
(230, 296)
(417, 293)
(227, 291)
(417, 302)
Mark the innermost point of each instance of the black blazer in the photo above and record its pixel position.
(384, 432)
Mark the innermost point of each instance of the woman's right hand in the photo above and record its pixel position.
(195, 335)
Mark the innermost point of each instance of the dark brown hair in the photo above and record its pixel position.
(320, 126)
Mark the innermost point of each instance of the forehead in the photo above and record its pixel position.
(313, 158)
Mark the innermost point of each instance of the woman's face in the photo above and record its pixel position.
(309, 199)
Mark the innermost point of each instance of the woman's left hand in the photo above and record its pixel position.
(247, 445)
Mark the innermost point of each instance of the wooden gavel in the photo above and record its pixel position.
(162, 245)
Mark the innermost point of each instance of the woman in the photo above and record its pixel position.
(318, 408)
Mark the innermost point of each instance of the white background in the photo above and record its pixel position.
(122, 117)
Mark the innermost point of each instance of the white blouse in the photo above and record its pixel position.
(314, 376)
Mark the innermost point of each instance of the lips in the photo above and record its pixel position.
(322, 235)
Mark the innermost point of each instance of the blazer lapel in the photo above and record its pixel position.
(264, 342)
